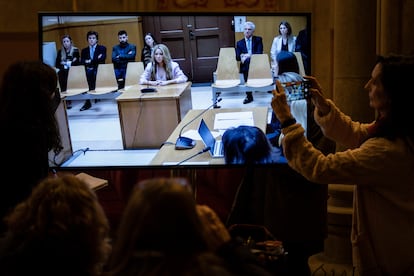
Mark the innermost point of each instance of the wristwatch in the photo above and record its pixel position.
(288, 122)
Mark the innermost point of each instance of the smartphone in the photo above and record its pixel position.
(307, 85)
(297, 90)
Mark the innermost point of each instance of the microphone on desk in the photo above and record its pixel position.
(194, 155)
(186, 142)
(148, 89)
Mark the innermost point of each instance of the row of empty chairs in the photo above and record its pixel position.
(77, 84)
(227, 76)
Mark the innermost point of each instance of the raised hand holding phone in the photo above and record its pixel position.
(317, 96)
(279, 103)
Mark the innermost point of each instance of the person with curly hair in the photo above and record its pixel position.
(61, 229)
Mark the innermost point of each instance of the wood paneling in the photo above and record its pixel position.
(107, 30)
(17, 46)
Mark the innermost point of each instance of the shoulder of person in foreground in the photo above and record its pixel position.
(237, 257)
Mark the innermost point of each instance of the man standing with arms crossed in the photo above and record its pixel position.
(91, 57)
(122, 53)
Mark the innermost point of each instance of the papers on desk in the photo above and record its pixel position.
(223, 121)
(226, 120)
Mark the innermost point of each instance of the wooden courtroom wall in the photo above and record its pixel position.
(266, 26)
(107, 30)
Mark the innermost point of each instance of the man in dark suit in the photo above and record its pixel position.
(91, 56)
(302, 46)
(245, 47)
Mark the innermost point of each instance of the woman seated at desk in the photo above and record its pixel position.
(162, 70)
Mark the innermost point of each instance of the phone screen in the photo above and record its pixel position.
(298, 90)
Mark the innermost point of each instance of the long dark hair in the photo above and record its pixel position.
(395, 76)
(246, 145)
(287, 25)
(160, 218)
(27, 101)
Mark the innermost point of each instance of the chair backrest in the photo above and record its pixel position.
(105, 79)
(133, 72)
(77, 82)
(300, 63)
(227, 72)
(260, 72)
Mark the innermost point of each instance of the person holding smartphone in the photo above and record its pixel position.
(378, 160)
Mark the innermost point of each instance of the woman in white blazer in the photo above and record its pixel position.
(285, 41)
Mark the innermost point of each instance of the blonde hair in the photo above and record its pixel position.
(166, 62)
(63, 56)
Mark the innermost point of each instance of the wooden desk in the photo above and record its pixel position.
(147, 119)
(66, 153)
(168, 153)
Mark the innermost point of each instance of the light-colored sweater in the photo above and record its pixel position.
(383, 174)
(177, 74)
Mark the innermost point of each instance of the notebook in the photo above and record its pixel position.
(216, 146)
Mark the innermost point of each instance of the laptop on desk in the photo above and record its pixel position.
(216, 146)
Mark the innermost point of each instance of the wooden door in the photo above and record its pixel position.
(194, 41)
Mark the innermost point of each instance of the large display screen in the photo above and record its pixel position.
(98, 136)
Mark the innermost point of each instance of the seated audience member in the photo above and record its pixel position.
(247, 46)
(162, 70)
(248, 145)
(61, 229)
(164, 232)
(378, 160)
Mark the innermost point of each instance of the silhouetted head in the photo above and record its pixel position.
(246, 145)
(287, 62)
(161, 216)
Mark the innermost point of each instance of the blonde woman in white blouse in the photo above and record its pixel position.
(162, 70)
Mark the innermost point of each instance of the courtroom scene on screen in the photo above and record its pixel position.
(152, 89)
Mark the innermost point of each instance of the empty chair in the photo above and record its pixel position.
(133, 73)
(300, 63)
(105, 79)
(227, 76)
(77, 83)
(260, 73)
(227, 73)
